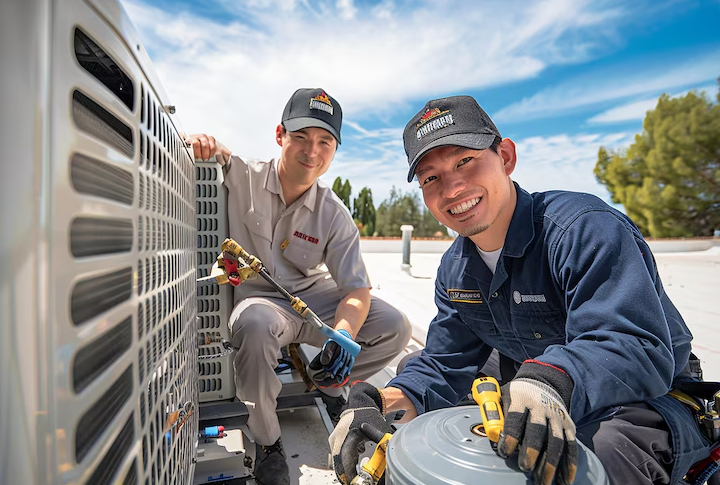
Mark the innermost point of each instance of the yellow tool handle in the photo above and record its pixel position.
(486, 393)
(375, 466)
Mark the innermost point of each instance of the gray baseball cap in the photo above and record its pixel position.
(313, 108)
(453, 121)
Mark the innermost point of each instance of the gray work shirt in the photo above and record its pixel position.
(292, 242)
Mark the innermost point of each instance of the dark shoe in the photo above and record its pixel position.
(271, 466)
(335, 406)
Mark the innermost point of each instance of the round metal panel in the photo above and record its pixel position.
(446, 447)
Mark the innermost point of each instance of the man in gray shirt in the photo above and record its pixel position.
(308, 242)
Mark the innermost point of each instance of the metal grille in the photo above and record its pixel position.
(122, 276)
(166, 309)
(214, 303)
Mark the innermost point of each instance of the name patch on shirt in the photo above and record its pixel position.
(313, 240)
(520, 298)
(465, 296)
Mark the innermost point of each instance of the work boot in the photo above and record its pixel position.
(271, 466)
(335, 406)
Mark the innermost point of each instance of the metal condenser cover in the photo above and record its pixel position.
(445, 447)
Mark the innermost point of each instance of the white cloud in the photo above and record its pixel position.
(564, 162)
(594, 88)
(559, 162)
(378, 161)
(232, 78)
(638, 109)
(346, 8)
(626, 112)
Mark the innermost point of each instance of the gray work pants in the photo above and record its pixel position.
(260, 326)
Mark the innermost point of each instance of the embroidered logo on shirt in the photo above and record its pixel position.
(528, 298)
(433, 120)
(311, 239)
(322, 102)
(465, 296)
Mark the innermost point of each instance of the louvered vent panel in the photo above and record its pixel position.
(166, 292)
(123, 260)
(214, 302)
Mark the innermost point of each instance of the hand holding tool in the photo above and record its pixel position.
(538, 423)
(372, 471)
(486, 393)
(333, 364)
(365, 405)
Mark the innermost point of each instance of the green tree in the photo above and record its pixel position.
(343, 191)
(405, 208)
(668, 180)
(364, 212)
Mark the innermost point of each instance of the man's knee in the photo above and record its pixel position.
(385, 324)
(254, 322)
(396, 323)
(401, 327)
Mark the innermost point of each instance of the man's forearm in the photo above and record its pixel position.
(352, 311)
(396, 400)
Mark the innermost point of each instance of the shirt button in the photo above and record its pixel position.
(304, 256)
(280, 277)
(494, 295)
(257, 223)
(538, 335)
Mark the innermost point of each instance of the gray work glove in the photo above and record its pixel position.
(535, 404)
(365, 405)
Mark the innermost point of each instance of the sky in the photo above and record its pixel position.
(561, 78)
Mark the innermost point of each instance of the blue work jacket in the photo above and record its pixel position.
(576, 286)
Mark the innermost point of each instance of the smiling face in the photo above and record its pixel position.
(306, 155)
(470, 191)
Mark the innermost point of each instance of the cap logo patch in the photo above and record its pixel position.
(465, 296)
(322, 102)
(433, 120)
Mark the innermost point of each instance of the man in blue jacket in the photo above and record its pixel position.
(560, 284)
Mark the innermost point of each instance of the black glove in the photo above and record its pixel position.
(333, 364)
(365, 405)
(535, 404)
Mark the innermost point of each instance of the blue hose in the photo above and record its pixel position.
(706, 474)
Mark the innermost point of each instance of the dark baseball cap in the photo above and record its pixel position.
(453, 121)
(313, 108)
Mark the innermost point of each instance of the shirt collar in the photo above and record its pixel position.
(272, 183)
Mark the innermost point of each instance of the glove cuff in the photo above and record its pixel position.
(553, 376)
(363, 394)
